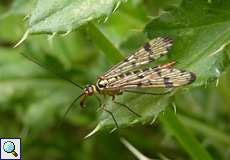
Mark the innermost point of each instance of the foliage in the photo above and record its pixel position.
(33, 100)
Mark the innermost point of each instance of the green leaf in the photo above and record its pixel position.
(200, 32)
(22, 6)
(60, 16)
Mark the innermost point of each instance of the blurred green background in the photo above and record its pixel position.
(33, 100)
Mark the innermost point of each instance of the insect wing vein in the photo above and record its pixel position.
(160, 76)
(151, 51)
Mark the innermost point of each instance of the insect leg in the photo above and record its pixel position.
(99, 100)
(109, 112)
(123, 105)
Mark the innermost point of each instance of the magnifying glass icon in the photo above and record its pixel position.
(9, 147)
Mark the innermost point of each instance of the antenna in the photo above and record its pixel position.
(69, 109)
(48, 69)
(72, 105)
(64, 78)
(58, 75)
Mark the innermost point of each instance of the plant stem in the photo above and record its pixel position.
(184, 137)
(205, 129)
(112, 53)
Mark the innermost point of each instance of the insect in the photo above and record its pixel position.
(127, 76)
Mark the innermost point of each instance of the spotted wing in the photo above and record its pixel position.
(163, 76)
(151, 51)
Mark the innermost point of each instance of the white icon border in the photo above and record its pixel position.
(20, 148)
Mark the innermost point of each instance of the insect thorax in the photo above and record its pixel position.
(101, 84)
